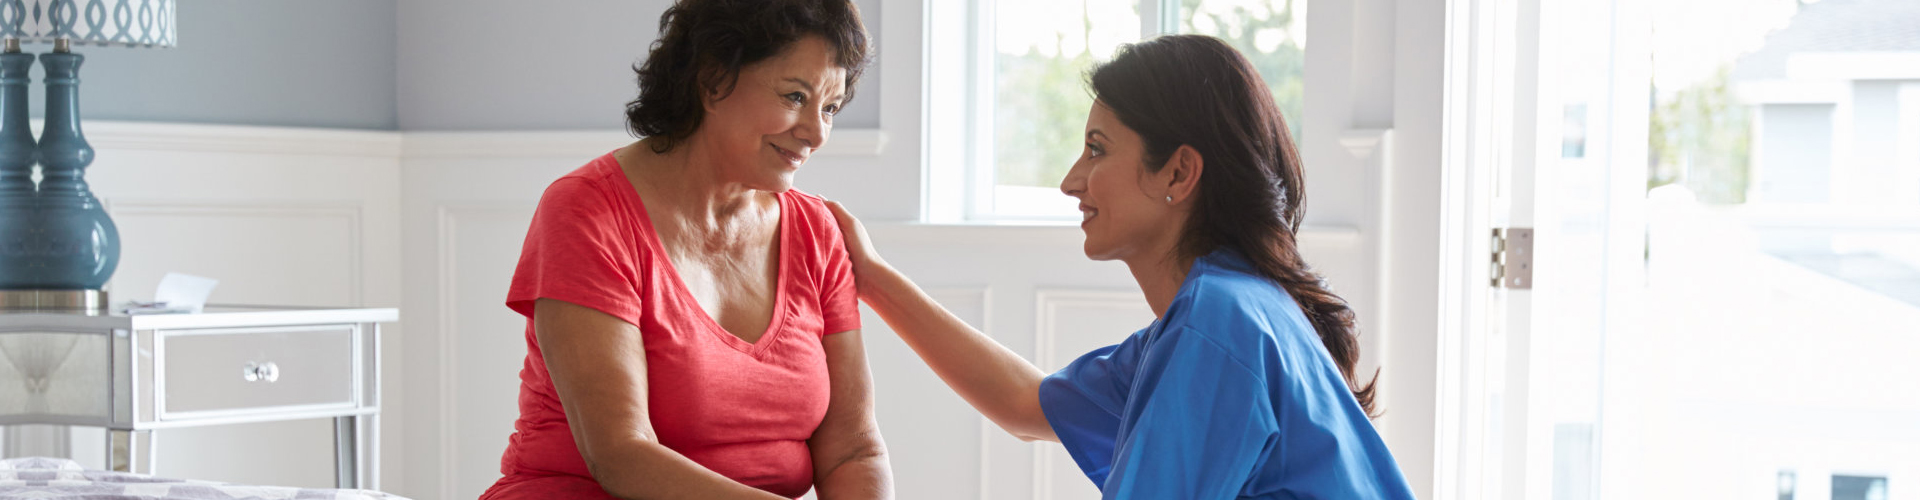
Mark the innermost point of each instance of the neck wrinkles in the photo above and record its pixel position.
(692, 189)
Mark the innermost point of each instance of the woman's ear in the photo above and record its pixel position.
(709, 98)
(713, 88)
(1182, 173)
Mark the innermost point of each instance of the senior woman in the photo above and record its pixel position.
(692, 324)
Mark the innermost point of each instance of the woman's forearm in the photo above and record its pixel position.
(646, 470)
(1002, 385)
(866, 477)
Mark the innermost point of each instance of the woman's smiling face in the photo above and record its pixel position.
(780, 111)
(1121, 214)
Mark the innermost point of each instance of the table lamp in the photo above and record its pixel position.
(58, 247)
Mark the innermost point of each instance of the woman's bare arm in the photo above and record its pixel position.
(1002, 385)
(849, 458)
(599, 368)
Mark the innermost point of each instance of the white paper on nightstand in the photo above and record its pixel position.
(184, 292)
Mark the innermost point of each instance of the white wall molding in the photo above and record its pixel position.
(587, 144)
(523, 144)
(445, 283)
(1366, 143)
(1373, 149)
(145, 136)
(1067, 235)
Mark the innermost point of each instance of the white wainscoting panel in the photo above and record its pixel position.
(1073, 323)
(482, 343)
(932, 435)
(262, 253)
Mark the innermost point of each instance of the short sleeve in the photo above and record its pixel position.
(839, 296)
(1083, 403)
(1202, 423)
(578, 250)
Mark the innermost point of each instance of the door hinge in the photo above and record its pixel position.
(1513, 258)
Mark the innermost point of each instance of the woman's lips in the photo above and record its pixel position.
(793, 158)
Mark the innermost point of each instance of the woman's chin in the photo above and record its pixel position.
(1096, 251)
(775, 183)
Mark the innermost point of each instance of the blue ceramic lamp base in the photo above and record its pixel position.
(55, 237)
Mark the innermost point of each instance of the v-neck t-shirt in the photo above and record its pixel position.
(742, 409)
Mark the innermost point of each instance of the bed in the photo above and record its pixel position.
(54, 478)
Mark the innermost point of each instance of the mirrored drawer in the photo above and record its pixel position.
(244, 370)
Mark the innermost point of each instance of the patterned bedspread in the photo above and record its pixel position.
(53, 478)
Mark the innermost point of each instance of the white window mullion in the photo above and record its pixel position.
(948, 106)
(980, 114)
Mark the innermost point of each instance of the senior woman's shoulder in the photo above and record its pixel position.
(812, 217)
(591, 188)
(811, 206)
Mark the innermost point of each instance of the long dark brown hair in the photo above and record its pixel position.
(1196, 91)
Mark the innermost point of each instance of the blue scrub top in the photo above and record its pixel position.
(1230, 394)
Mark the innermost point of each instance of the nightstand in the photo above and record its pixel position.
(138, 375)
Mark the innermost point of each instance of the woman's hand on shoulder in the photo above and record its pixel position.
(859, 246)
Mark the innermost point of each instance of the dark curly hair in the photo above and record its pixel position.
(704, 43)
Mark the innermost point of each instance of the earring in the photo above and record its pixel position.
(1169, 198)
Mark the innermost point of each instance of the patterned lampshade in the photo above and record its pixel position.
(107, 23)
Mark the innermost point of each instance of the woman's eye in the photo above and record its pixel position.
(797, 97)
(1093, 150)
(833, 109)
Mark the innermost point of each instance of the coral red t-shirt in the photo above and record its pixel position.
(744, 410)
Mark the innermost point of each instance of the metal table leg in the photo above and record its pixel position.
(131, 451)
(350, 451)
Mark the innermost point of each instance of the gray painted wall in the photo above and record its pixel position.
(395, 64)
(549, 65)
(251, 62)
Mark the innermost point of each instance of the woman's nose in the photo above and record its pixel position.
(814, 129)
(1075, 182)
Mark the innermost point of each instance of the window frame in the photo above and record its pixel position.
(959, 146)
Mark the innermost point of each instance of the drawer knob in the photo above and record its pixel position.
(257, 372)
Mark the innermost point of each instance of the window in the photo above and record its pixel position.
(1859, 488)
(1008, 96)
